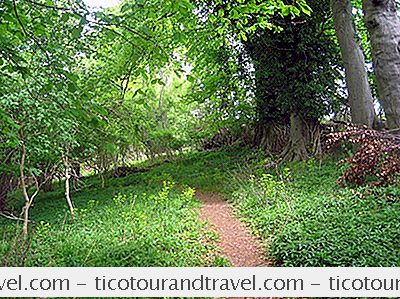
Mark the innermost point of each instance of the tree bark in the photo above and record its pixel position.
(360, 97)
(67, 189)
(271, 137)
(28, 199)
(296, 149)
(383, 24)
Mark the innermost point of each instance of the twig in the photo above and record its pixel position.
(12, 217)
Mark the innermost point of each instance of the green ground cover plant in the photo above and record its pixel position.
(305, 219)
(150, 218)
(154, 224)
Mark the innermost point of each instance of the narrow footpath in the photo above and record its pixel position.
(236, 242)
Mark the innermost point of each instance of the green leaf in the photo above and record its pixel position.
(304, 7)
(72, 87)
(243, 36)
(65, 17)
(146, 30)
(76, 32)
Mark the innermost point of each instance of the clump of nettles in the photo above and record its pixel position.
(376, 157)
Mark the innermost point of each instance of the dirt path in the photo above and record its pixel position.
(237, 244)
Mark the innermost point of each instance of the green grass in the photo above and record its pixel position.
(149, 223)
(297, 209)
(307, 220)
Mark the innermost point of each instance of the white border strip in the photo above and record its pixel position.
(204, 282)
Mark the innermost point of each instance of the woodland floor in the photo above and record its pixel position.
(236, 243)
(302, 220)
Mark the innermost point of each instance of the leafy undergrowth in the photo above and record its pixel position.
(299, 211)
(304, 218)
(307, 220)
(147, 224)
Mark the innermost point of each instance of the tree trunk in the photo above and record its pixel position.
(296, 148)
(271, 137)
(360, 97)
(67, 189)
(383, 24)
(28, 199)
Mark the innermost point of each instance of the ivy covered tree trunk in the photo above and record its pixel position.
(294, 80)
(383, 24)
(360, 96)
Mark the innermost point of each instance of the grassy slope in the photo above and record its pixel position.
(134, 221)
(302, 215)
(309, 221)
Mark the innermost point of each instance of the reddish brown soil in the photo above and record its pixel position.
(236, 242)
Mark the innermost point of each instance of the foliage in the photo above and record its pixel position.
(141, 78)
(376, 158)
(245, 17)
(304, 218)
(130, 226)
(223, 86)
(222, 74)
(295, 69)
(306, 221)
(61, 95)
(39, 99)
(297, 209)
